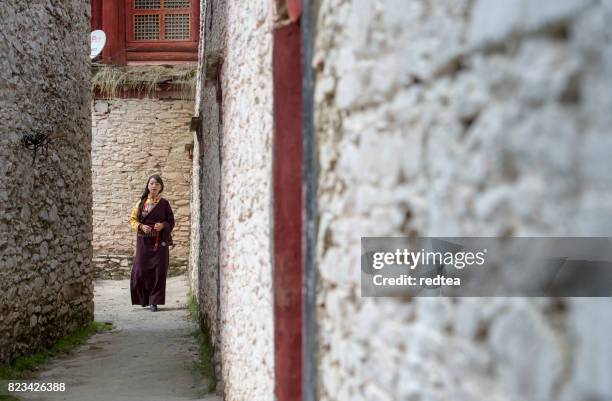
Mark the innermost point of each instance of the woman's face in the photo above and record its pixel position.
(154, 187)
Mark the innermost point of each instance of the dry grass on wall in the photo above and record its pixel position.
(111, 80)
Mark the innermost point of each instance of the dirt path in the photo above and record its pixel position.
(148, 356)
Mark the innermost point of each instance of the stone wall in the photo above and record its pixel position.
(235, 272)
(461, 118)
(46, 286)
(132, 139)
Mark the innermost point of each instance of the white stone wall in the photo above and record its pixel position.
(133, 139)
(235, 191)
(458, 117)
(246, 316)
(46, 276)
(195, 233)
(193, 272)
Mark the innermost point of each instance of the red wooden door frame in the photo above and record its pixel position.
(288, 207)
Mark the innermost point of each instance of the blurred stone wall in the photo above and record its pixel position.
(46, 288)
(461, 118)
(233, 259)
(133, 139)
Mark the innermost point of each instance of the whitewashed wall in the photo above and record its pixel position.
(457, 117)
(233, 258)
(247, 341)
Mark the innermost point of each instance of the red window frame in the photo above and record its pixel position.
(139, 51)
(115, 18)
(162, 44)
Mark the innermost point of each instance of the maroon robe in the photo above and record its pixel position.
(150, 268)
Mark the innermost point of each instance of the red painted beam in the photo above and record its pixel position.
(288, 206)
(195, 26)
(294, 7)
(96, 14)
(163, 47)
(163, 91)
(113, 24)
(161, 56)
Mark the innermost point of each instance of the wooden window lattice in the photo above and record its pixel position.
(146, 27)
(161, 20)
(176, 27)
(147, 4)
(176, 4)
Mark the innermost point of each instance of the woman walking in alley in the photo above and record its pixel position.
(152, 219)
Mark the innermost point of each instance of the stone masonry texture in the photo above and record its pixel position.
(461, 118)
(234, 210)
(46, 286)
(133, 139)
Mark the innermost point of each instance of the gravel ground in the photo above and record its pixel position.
(147, 356)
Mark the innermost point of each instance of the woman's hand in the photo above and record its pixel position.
(146, 229)
(158, 226)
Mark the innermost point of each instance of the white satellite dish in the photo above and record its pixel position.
(98, 40)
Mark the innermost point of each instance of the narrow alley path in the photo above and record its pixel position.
(147, 356)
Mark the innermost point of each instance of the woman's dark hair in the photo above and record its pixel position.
(145, 194)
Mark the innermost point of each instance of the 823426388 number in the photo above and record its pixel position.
(36, 387)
